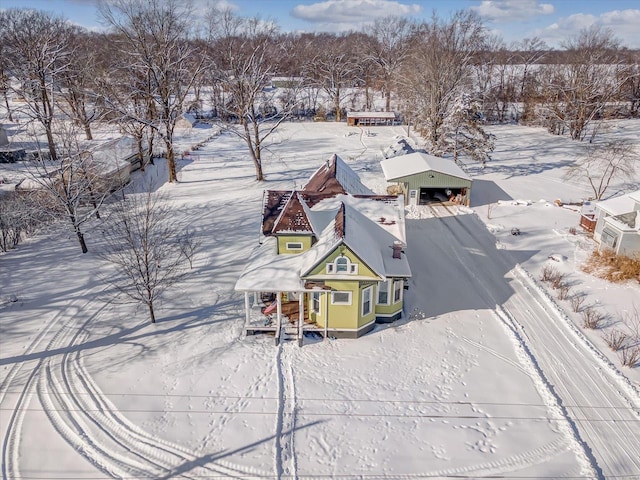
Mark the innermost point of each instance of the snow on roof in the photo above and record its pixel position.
(335, 176)
(618, 205)
(418, 162)
(635, 196)
(391, 115)
(112, 155)
(293, 217)
(367, 237)
(267, 270)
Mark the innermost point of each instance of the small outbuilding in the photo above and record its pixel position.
(355, 119)
(424, 179)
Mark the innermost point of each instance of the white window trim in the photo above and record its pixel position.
(289, 246)
(398, 281)
(348, 302)
(319, 294)
(609, 237)
(389, 291)
(352, 268)
(370, 290)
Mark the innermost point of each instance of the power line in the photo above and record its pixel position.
(341, 400)
(302, 412)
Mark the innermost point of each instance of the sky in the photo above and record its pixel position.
(551, 20)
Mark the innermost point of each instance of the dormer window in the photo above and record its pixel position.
(342, 265)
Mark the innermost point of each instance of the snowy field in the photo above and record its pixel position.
(487, 375)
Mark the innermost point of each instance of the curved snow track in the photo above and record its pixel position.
(87, 419)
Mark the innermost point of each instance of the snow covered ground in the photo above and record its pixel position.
(488, 374)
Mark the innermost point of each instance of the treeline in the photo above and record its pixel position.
(445, 76)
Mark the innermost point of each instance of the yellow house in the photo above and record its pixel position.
(330, 262)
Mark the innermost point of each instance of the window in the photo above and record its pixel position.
(609, 237)
(398, 285)
(366, 300)
(315, 302)
(341, 298)
(383, 293)
(294, 245)
(342, 265)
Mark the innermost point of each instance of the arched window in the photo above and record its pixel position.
(342, 265)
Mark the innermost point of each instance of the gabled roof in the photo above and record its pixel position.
(335, 177)
(621, 204)
(419, 162)
(293, 217)
(365, 237)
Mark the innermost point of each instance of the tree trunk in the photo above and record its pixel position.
(152, 315)
(6, 102)
(171, 161)
(83, 244)
(52, 145)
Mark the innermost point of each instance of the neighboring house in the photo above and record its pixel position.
(286, 82)
(331, 258)
(617, 224)
(186, 120)
(355, 119)
(424, 178)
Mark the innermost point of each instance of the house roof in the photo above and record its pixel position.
(390, 115)
(620, 204)
(267, 270)
(293, 217)
(369, 225)
(335, 177)
(370, 239)
(419, 162)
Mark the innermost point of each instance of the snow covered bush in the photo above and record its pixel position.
(615, 339)
(592, 318)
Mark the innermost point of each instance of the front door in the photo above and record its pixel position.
(413, 197)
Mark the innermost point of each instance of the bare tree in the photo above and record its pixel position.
(577, 92)
(604, 163)
(333, 68)
(389, 49)
(76, 184)
(145, 244)
(36, 49)
(440, 66)
(247, 59)
(76, 81)
(154, 36)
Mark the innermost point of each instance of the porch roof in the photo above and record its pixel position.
(266, 271)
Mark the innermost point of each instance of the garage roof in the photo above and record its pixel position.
(413, 163)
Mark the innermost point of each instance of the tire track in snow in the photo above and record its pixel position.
(110, 432)
(91, 424)
(11, 444)
(464, 241)
(5, 386)
(285, 459)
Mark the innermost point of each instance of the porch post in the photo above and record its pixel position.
(326, 315)
(247, 309)
(300, 317)
(278, 316)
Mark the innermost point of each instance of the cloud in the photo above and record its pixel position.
(512, 10)
(623, 24)
(339, 15)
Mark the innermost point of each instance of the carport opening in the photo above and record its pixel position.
(438, 195)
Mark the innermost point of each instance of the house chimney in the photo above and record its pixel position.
(397, 250)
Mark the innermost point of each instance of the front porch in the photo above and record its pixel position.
(266, 312)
